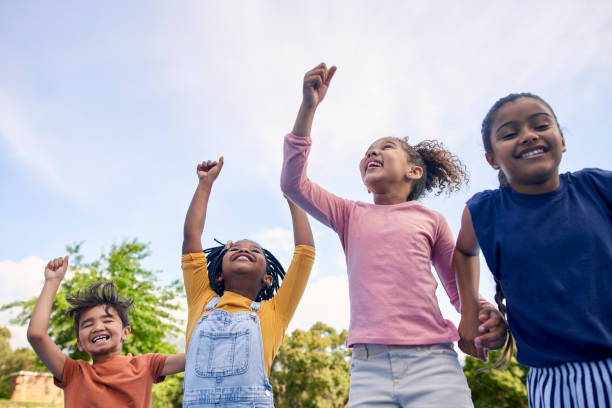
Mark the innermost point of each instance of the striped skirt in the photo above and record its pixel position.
(583, 384)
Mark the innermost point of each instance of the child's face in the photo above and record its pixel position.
(527, 145)
(101, 332)
(385, 164)
(244, 266)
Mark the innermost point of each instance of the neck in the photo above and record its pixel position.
(244, 292)
(547, 186)
(389, 198)
(100, 358)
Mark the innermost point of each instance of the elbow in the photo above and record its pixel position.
(34, 337)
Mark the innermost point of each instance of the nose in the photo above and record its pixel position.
(372, 153)
(529, 136)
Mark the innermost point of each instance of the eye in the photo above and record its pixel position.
(233, 249)
(508, 135)
(108, 320)
(256, 250)
(542, 126)
(388, 146)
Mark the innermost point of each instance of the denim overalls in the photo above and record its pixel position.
(225, 364)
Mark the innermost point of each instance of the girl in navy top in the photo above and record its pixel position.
(547, 239)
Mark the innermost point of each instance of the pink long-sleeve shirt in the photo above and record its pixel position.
(389, 251)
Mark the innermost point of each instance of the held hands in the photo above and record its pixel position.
(477, 339)
(316, 83)
(56, 269)
(209, 170)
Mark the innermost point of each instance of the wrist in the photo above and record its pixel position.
(205, 184)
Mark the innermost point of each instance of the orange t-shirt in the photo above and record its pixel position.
(119, 381)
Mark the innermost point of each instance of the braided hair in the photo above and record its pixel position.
(442, 170)
(214, 262)
(487, 122)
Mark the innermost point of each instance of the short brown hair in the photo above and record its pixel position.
(99, 293)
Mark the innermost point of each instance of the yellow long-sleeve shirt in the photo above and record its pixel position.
(275, 314)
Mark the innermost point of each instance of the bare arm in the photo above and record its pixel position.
(467, 272)
(38, 336)
(175, 363)
(302, 234)
(196, 214)
(316, 83)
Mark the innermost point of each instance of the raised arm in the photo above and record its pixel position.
(302, 233)
(316, 83)
(196, 214)
(38, 329)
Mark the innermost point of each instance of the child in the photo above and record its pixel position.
(402, 346)
(234, 327)
(101, 324)
(547, 239)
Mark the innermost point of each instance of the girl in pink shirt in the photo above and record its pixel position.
(402, 346)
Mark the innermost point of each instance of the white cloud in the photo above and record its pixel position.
(21, 280)
(324, 300)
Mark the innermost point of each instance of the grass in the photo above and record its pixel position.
(18, 404)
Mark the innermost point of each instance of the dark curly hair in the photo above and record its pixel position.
(99, 293)
(214, 262)
(489, 118)
(442, 170)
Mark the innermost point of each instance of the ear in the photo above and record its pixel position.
(563, 143)
(219, 279)
(267, 280)
(125, 333)
(414, 173)
(491, 160)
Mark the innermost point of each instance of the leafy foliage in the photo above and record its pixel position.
(311, 369)
(150, 320)
(22, 359)
(493, 388)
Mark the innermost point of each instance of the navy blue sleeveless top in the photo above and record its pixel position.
(552, 254)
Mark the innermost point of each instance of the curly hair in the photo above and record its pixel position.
(442, 170)
(214, 264)
(99, 293)
(489, 118)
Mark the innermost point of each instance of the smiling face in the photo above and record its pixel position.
(386, 168)
(101, 333)
(244, 269)
(527, 145)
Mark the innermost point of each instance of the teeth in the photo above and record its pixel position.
(532, 153)
(99, 338)
(374, 164)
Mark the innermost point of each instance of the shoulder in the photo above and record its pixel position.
(588, 175)
(483, 196)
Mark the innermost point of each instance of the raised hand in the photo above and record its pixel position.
(56, 269)
(316, 83)
(209, 170)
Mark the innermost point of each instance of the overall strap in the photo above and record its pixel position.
(255, 306)
(212, 304)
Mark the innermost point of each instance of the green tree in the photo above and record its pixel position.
(311, 369)
(493, 388)
(22, 359)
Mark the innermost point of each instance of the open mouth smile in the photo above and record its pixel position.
(98, 338)
(532, 153)
(373, 164)
(243, 256)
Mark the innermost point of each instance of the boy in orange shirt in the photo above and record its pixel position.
(102, 325)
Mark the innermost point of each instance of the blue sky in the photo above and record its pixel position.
(105, 109)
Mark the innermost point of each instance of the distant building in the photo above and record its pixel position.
(35, 387)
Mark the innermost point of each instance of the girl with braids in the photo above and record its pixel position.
(235, 321)
(402, 346)
(547, 239)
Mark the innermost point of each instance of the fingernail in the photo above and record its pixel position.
(479, 343)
